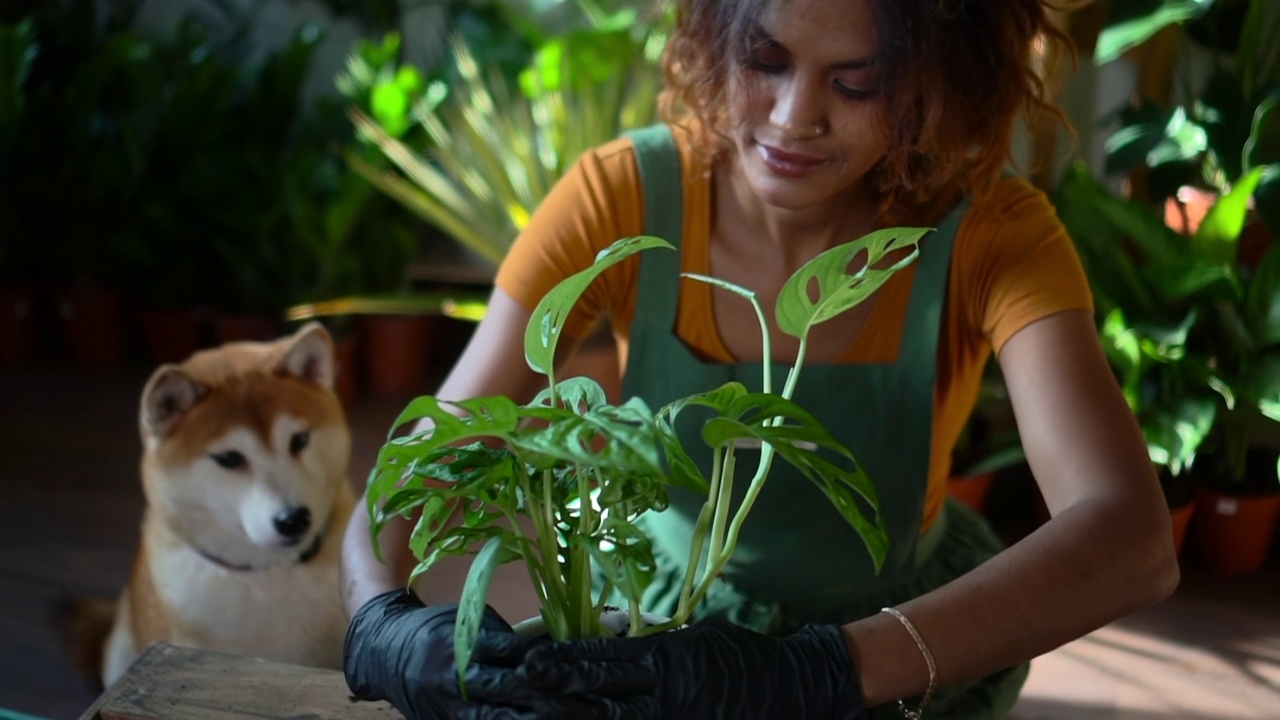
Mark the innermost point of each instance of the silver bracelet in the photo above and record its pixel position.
(928, 658)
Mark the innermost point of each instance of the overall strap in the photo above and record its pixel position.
(928, 293)
(658, 160)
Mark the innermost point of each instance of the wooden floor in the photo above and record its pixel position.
(70, 505)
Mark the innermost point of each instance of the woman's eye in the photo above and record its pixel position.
(230, 460)
(850, 92)
(299, 441)
(767, 61)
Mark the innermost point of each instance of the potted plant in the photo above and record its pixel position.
(19, 258)
(473, 147)
(1193, 335)
(579, 469)
(1215, 114)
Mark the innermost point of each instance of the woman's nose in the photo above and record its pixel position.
(798, 109)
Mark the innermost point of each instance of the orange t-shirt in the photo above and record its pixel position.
(1012, 263)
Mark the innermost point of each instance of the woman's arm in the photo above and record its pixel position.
(1107, 550)
(492, 364)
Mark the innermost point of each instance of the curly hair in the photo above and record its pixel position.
(954, 77)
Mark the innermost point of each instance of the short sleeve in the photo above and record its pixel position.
(1024, 265)
(597, 201)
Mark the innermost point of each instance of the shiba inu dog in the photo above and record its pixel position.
(244, 470)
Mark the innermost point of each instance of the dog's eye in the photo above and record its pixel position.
(231, 459)
(299, 441)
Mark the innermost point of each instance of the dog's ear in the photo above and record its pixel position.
(169, 394)
(308, 355)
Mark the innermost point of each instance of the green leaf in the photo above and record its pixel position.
(834, 481)
(475, 595)
(485, 417)
(1262, 298)
(625, 556)
(1131, 22)
(577, 394)
(838, 290)
(1263, 117)
(629, 437)
(545, 325)
(1261, 385)
(1174, 434)
(1215, 239)
(436, 511)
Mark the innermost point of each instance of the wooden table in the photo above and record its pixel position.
(177, 683)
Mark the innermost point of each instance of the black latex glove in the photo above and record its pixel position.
(713, 669)
(401, 651)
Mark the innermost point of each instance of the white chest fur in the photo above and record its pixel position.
(290, 614)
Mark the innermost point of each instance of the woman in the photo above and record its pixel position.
(803, 124)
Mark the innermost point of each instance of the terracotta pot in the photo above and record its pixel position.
(346, 353)
(1181, 519)
(259, 327)
(171, 335)
(396, 353)
(95, 330)
(1185, 211)
(1231, 534)
(19, 327)
(972, 490)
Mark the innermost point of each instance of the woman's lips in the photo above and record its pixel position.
(789, 164)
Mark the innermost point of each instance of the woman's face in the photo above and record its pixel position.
(806, 118)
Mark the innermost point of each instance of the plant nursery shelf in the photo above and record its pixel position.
(169, 682)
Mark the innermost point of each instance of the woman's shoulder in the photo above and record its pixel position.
(1014, 261)
(1012, 199)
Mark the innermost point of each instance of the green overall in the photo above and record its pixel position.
(797, 560)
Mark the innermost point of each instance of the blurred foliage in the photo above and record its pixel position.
(179, 172)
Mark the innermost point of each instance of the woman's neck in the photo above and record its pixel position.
(795, 236)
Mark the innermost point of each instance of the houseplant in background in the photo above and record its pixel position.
(581, 469)
(1194, 337)
(1204, 148)
(1219, 116)
(473, 147)
(73, 136)
(19, 332)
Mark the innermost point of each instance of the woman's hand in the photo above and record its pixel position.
(712, 669)
(401, 651)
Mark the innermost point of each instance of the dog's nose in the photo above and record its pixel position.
(292, 523)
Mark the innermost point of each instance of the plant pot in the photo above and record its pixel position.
(972, 490)
(615, 619)
(172, 335)
(396, 353)
(1181, 519)
(19, 327)
(256, 327)
(1230, 533)
(95, 330)
(346, 353)
(1185, 211)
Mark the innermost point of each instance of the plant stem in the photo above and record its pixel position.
(766, 343)
(544, 530)
(683, 608)
(580, 557)
(724, 495)
(718, 560)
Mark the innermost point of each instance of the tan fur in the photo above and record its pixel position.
(254, 399)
